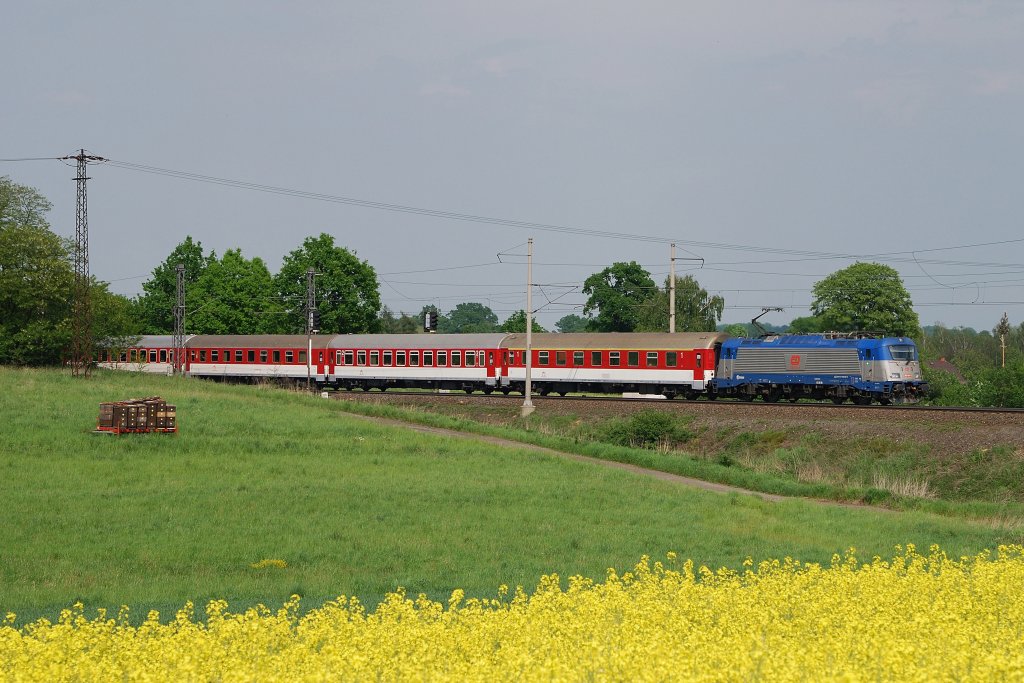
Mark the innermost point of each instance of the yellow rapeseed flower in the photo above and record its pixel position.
(913, 617)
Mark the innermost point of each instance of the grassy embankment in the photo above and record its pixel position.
(352, 507)
(986, 483)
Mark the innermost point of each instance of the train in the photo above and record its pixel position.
(839, 366)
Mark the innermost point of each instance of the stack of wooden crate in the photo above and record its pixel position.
(137, 416)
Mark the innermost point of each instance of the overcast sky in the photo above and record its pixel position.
(749, 132)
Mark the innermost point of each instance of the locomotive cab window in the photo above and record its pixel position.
(614, 358)
(632, 358)
(671, 358)
(904, 352)
(595, 358)
(652, 359)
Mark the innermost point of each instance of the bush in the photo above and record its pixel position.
(646, 429)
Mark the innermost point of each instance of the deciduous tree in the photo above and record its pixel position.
(160, 291)
(469, 317)
(617, 294)
(517, 323)
(347, 291)
(866, 296)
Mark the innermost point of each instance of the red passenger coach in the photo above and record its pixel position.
(655, 363)
(466, 362)
(267, 356)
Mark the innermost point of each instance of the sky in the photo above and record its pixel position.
(773, 141)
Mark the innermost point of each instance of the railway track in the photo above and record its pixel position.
(728, 404)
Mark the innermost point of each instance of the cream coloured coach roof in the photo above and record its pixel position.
(417, 341)
(258, 341)
(616, 340)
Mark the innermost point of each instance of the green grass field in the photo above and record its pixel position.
(353, 507)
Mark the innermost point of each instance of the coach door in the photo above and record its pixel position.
(493, 371)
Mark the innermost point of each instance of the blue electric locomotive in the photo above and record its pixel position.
(855, 366)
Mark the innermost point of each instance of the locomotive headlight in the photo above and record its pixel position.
(894, 375)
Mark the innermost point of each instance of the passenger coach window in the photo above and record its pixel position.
(215, 355)
(428, 358)
(577, 358)
(302, 356)
(252, 356)
(163, 355)
(456, 358)
(337, 357)
(202, 355)
(349, 356)
(360, 357)
(442, 358)
(613, 358)
(671, 358)
(238, 356)
(560, 357)
(700, 361)
(470, 359)
(277, 356)
(595, 358)
(632, 358)
(414, 358)
(289, 356)
(152, 355)
(400, 358)
(374, 357)
(263, 356)
(543, 358)
(388, 357)
(652, 359)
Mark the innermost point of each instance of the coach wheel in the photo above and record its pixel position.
(692, 395)
(747, 398)
(382, 389)
(506, 391)
(563, 394)
(670, 395)
(885, 401)
(468, 390)
(488, 391)
(838, 400)
(544, 392)
(862, 400)
(773, 396)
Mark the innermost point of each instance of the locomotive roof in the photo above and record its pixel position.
(616, 340)
(417, 341)
(259, 341)
(819, 340)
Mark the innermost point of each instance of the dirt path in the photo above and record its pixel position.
(643, 471)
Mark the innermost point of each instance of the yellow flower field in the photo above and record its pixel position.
(914, 617)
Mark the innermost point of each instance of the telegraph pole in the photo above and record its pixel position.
(310, 307)
(528, 407)
(81, 326)
(672, 290)
(179, 322)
